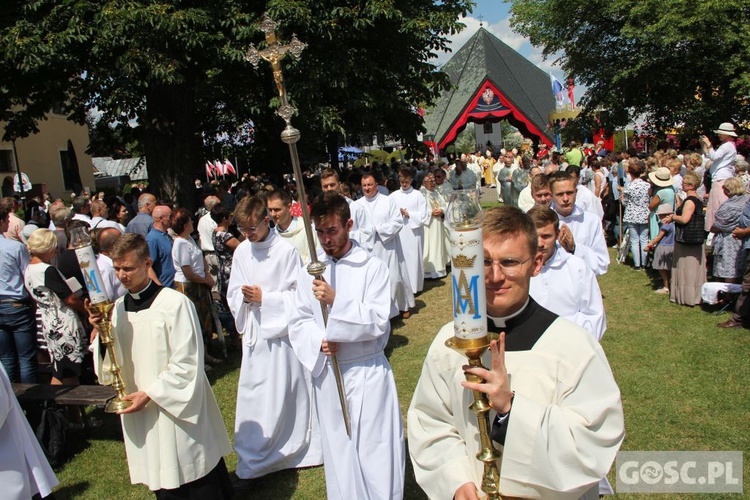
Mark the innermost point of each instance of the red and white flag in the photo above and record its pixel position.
(218, 168)
(229, 168)
(209, 169)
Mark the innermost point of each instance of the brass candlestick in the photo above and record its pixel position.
(81, 242)
(118, 384)
(473, 349)
(464, 217)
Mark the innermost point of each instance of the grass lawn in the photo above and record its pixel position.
(683, 383)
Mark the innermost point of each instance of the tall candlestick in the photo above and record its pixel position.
(92, 277)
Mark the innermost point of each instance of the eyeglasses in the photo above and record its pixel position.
(251, 229)
(509, 267)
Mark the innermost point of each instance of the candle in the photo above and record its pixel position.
(464, 218)
(81, 242)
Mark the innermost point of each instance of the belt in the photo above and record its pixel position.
(209, 251)
(16, 302)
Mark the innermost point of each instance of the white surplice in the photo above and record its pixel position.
(378, 234)
(564, 429)
(589, 238)
(567, 287)
(412, 235)
(296, 235)
(589, 202)
(370, 464)
(24, 470)
(275, 427)
(180, 435)
(436, 252)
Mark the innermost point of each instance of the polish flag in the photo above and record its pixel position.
(209, 169)
(218, 168)
(229, 168)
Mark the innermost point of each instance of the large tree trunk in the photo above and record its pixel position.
(173, 145)
(332, 143)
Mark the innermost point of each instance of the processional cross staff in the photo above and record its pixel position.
(274, 53)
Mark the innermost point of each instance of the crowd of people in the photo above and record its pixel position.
(180, 279)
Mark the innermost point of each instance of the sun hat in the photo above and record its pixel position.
(726, 128)
(661, 177)
(664, 209)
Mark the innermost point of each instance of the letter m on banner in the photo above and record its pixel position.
(466, 296)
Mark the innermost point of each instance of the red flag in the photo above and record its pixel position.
(209, 169)
(571, 94)
(229, 168)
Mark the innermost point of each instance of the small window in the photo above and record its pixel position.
(6, 160)
(67, 171)
(487, 128)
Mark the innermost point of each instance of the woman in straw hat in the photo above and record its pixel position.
(663, 193)
(722, 167)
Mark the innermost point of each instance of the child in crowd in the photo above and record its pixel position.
(663, 247)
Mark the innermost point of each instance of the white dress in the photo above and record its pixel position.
(378, 234)
(370, 464)
(436, 252)
(412, 234)
(275, 427)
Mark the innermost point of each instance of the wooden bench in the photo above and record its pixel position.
(64, 394)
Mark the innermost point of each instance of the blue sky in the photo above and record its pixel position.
(495, 17)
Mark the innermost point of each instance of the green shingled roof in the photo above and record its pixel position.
(484, 56)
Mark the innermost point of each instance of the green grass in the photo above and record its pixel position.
(683, 384)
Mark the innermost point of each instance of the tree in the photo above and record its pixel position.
(681, 63)
(178, 69)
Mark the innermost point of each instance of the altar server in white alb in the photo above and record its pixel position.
(565, 285)
(275, 427)
(356, 292)
(24, 470)
(413, 207)
(556, 410)
(175, 437)
(581, 232)
(378, 234)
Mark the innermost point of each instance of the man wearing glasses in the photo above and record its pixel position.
(275, 427)
(557, 414)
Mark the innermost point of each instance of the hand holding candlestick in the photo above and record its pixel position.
(99, 301)
(464, 217)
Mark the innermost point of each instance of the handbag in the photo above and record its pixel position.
(693, 232)
(52, 433)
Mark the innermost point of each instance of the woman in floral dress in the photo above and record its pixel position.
(57, 306)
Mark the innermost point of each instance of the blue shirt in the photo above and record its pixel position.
(668, 239)
(160, 249)
(14, 259)
(141, 224)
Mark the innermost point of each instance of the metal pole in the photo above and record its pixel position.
(274, 53)
(20, 177)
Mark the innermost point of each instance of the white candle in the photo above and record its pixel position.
(91, 275)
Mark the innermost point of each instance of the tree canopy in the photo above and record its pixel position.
(679, 63)
(177, 69)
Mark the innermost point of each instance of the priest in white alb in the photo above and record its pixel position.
(378, 234)
(356, 293)
(556, 411)
(275, 427)
(436, 253)
(413, 208)
(175, 438)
